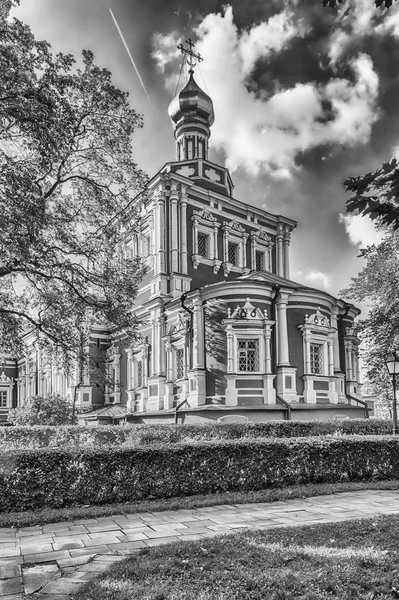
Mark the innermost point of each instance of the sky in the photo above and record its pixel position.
(304, 97)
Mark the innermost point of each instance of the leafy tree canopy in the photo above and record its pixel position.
(43, 410)
(378, 285)
(67, 184)
(376, 194)
(378, 3)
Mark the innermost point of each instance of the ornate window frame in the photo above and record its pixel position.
(234, 233)
(6, 385)
(205, 222)
(261, 242)
(248, 323)
(317, 330)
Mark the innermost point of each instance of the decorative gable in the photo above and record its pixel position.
(247, 312)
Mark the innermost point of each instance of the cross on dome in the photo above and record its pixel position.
(189, 54)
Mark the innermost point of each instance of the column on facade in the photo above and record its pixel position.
(183, 231)
(268, 361)
(169, 361)
(287, 237)
(306, 339)
(116, 363)
(358, 375)
(174, 222)
(334, 324)
(253, 254)
(145, 364)
(130, 369)
(156, 342)
(282, 329)
(280, 251)
(198, 342)
(159, 232)
(330, 357)
(349, 368)
(230, 350)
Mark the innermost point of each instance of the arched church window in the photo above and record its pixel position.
(3, 399)
(190, 149)
(201, 149)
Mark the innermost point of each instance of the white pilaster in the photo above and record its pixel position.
(287, 237)
(280, 251)
(282, 329)
(183, 231)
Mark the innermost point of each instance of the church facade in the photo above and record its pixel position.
(225, 333)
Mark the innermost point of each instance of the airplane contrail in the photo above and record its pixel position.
(130, 56)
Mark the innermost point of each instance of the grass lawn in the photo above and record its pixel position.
(347, 560)
(52, 515)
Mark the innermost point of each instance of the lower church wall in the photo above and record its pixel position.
(271, 414)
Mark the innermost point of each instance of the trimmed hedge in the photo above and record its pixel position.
(139, 435)
(33, 479)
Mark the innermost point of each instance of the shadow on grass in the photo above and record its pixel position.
(352, 560)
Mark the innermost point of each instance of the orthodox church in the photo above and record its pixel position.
(226, 335)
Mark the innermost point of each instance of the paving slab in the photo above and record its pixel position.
(34, 578)
(10, 586)
(10, 571)
(61, 586)
(45, 557)
(72, 552)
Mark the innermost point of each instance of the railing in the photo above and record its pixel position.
(287, 406)
(366, 408)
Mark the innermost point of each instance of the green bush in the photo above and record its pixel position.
(139, 435)
(47, 477)
(51, 409)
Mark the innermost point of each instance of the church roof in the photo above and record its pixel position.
(112, 410)
(273, 279)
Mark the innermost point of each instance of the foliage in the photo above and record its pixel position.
(378, 284)
(378, 3)
(48, 477)
(50, 410)
(74, 512)
(141, 435)
(67, 184)
(376, 194)
(346, 561)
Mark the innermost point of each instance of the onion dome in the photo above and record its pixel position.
(191, 105)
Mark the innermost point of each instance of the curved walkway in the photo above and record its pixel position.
(52, 561)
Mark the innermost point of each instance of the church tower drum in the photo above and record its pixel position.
(191, 111)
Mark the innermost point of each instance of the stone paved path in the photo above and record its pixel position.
(52, 561)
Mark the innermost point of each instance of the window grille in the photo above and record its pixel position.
(316, 359)
(3, 399)
(139, 382)
(259, 261)
(203, 245)
(179, 363)
(232, 254)
(248, 355)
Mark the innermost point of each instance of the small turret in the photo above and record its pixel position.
(191, 111)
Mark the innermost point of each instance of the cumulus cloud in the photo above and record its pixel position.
(318, 278)
(357, 19)
(267, 132)
(361, 230)
(165, 49)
